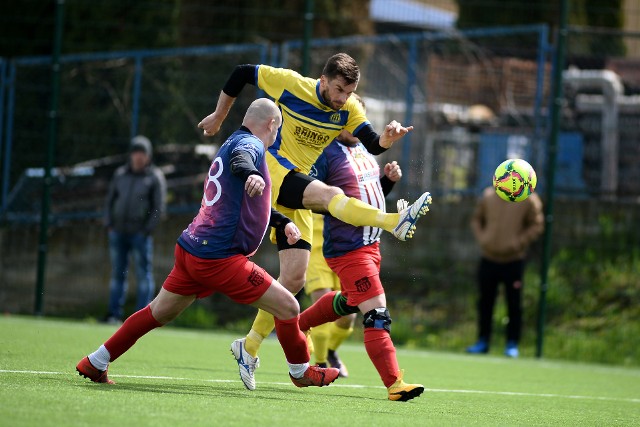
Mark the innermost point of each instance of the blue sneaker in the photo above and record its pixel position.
(511, 350)
(480, 347)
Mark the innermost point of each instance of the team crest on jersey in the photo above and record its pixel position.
(335, 118)
(363, 285)
(256, 278)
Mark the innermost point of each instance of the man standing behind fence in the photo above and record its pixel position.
(504, 231)
(135, 203)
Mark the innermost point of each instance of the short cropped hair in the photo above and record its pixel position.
(342, 65)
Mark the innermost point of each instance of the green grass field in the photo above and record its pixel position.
(177, 377)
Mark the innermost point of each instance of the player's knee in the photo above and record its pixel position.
(293, 280)
(332, 191)
(289, 309)
(341, 307)
(378, 318)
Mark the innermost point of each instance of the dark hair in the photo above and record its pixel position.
(342, 65)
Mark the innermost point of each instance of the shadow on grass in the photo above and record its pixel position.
(210, 390)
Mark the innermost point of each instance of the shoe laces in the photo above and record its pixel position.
(402, 204)
(248, 361)
(252, 364)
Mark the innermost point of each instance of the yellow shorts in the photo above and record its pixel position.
(300, 217)
(319, 275)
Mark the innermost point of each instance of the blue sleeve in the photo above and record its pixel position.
(245, 158)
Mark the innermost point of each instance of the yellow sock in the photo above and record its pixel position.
(261, 328)
(337, 335)
(356, 212)
(320, 338)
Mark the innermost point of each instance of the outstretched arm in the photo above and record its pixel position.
(240, 76)
(211, 124)
(377, 144)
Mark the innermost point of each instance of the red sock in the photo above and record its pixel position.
(382, 353)
(292, 340)
(136, 325)
(319, 313)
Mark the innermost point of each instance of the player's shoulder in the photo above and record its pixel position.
(285, 77)
(275, 72)
(354, 105)
(246, 141)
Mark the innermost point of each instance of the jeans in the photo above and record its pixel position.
(120, 245)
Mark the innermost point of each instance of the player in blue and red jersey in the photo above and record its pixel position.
(353, 253)
(314, 111)
(212, 254)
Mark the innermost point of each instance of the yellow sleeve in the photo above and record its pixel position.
(357, 116)
(275, 80)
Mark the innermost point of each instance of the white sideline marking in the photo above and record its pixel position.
(433, 390)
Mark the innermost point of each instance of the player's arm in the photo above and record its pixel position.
(377, 144)
(242, 164)
(370, 139)
(392, 174)
(281, 222)
(241, 75)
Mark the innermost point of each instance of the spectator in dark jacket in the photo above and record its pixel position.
(135, 204)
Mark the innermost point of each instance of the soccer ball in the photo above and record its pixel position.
(514, 180)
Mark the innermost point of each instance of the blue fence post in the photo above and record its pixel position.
(8, 136)
(135, 97)
(408, 117)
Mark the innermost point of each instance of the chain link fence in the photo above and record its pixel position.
(474, 97)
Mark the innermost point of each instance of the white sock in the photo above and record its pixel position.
(100, 358)
(297, 370)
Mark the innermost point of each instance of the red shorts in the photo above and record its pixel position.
(236, 277)
(359, 273)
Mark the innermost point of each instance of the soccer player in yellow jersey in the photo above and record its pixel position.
(314, 112)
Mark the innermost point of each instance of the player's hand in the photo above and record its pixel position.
(392, 171)
(292, 233)
(254, 185)
(393, 132)
(211, 124)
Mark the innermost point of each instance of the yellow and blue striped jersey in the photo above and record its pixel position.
(308, 124)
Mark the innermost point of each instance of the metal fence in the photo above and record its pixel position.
(474, 97)
(442, 83)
